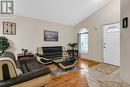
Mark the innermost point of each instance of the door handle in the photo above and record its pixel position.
(104, 45)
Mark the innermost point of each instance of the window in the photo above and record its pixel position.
(113, 29)
(83, 41)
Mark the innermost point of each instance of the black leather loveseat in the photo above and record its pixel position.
(47, 54)
(30, 69)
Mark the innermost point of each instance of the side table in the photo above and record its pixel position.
(20, 55)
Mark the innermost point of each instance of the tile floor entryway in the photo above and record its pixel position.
(96, 78)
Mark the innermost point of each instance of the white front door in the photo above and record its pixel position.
(112, 44)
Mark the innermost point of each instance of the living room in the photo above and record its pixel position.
(51, 32)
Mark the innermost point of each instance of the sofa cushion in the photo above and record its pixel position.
(33, 65)
(52, 49)
(30, 64)
(52, 54)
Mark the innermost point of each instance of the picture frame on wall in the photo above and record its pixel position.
(50, 35)
(9, 28)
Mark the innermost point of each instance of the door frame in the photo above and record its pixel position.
(103, 38)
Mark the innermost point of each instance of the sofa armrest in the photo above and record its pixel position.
(40, 55)
(43, 60)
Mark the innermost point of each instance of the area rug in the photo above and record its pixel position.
(57, 71)
(105, 68)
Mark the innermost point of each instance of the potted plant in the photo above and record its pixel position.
(4, 44)
(72, 45)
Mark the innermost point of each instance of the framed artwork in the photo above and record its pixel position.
(50, 35)
(9, 28)
(125, 22)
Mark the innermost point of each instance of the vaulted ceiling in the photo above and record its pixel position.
(69, 12)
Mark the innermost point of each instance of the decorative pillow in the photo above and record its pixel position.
(19, 72)
(39, 51)
(65, 54)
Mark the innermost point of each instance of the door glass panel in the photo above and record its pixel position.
(113, 29)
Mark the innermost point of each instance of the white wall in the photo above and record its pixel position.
(109, 14)
(125, 42)
(29, 33)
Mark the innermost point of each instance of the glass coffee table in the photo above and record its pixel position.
(64, 64)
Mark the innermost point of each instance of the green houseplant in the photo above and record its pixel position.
(72, 45)
(4, 44)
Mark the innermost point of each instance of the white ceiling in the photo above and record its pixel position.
(69, 12)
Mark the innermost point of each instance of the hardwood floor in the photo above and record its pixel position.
(84, 63)
(73, 79)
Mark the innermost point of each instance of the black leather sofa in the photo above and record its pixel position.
(47, 54)
(30, 67)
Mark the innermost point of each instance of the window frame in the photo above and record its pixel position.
(80, 33)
